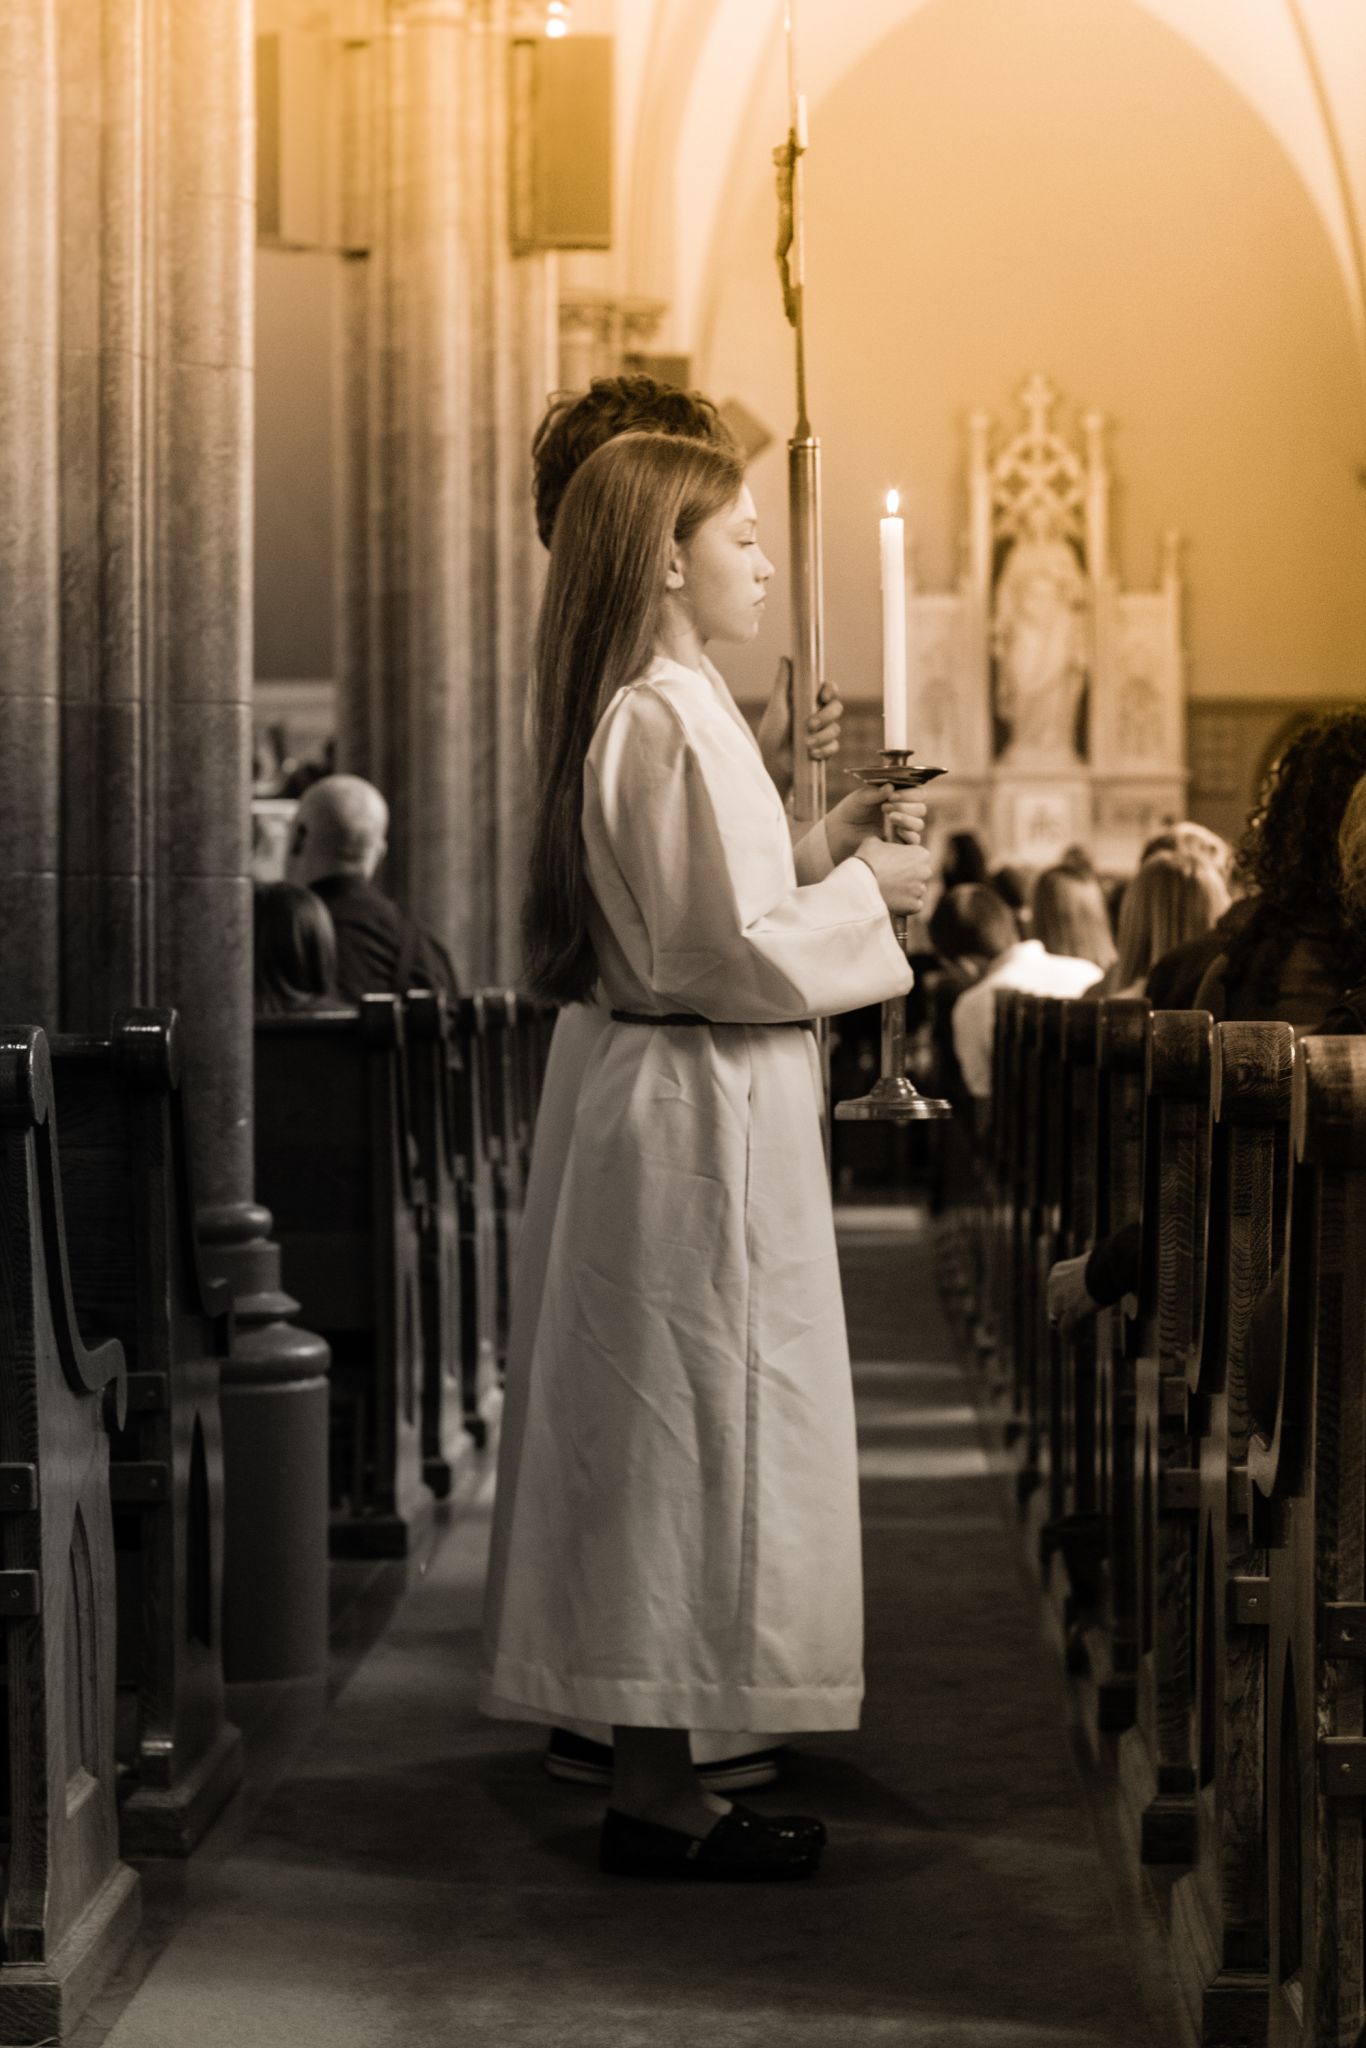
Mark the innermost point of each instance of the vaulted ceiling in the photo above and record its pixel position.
(700, 87)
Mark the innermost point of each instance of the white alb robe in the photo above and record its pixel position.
(680, 1545)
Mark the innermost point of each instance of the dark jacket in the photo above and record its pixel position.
(1172, 983)
(380, 950)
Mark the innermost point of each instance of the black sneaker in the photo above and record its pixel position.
(575, 1760)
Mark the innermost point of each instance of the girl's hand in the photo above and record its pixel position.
(862, 812)
(902, 873)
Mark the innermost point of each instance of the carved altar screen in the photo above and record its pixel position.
(1055, 699)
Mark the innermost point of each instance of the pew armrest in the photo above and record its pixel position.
(28, 1106)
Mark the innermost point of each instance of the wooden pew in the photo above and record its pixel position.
(1073, 1541)
(475, 1202)
(445, 1438)
(1007, 1133)
(1219, 1909)
(1110, 1637)
(1156, 1765)
(1035, 1148)
(334, 1166)
(1307, 1460)
(136, 1275)
(71, 1908)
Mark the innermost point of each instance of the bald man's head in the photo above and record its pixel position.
(340, 828)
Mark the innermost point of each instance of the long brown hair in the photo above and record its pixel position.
(1174, 897)
(625, 510)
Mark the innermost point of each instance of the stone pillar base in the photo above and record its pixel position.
(275, 1423)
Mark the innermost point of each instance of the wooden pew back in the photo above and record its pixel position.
(70, 1906)
(136, 1275)
(335, 1165)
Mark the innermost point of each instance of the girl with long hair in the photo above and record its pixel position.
(681, 1546)
(1173, 898)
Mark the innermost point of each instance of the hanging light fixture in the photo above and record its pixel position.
(557, 18)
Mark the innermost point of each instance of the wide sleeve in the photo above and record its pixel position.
(695, 875)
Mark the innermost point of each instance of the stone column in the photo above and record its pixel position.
(514, 373)
(355, 169)
(447, 349)
(434, 831)
(588, 337)
(29, 537)
(107, 77)
(274, 1386)
(534, 324)
(405, 594)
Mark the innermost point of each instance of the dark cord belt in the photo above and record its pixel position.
(683, 1017)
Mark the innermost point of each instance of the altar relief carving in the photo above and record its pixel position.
(1055, 698)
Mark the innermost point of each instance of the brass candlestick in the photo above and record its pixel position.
(893, 1098)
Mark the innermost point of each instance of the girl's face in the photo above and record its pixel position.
(725, 574)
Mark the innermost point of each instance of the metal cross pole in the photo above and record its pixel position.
(803, 488)
(804, 457)
(894, 1098)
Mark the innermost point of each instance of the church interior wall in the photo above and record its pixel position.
(1114, 214)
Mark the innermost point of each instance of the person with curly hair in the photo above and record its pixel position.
(1297, 949)
(1348, 1017)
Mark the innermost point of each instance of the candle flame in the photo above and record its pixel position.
(893, 503)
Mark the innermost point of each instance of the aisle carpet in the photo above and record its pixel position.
(417, 1882)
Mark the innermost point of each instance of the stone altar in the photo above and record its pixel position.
(1055, 699)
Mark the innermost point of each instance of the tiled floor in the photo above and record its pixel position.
(414, 1879)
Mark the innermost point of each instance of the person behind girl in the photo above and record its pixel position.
(574, 427)
(683, 1543)
(294, 951)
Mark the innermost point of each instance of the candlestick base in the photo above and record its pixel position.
(892, 1100)
(897, 767)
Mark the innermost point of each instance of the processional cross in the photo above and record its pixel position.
(893, 1098)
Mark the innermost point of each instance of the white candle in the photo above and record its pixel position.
(894, 728)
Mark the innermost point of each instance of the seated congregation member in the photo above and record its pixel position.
(1347, 1017)
(1173, 898)
(1196, 840)
(294, 951)
(985, 942)
(573, 429)
(1069, 916)
(341, 834)
(1078, 1287)
(958, 963)
(1012, 885)
(1295, 951)
(1177, 975)
(674, 1330)
(964, 861)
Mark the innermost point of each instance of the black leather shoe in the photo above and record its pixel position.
(800, 1827)
(739, 1847)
